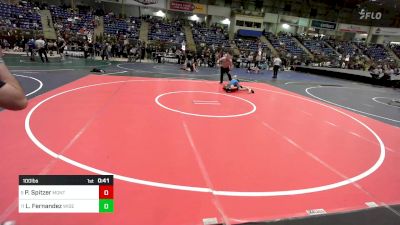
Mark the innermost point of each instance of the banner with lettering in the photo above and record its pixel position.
(188, 7)
(160, 4)
(323, 24)
(353, 28)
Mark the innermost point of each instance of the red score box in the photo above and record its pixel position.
(106, 192)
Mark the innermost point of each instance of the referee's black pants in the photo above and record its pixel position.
(42, 51)
(276, 68)
(223, 71)
(32, 54)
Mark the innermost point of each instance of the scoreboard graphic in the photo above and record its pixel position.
(66, 194)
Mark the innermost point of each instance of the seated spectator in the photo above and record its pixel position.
(375, 72)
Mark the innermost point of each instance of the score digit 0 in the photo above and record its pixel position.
(106, 192)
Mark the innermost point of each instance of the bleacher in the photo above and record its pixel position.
(19, 17)
(204, 36)
(344, 47)
(285, 42)
(396, 49)
(249, 45)
(74, 22)
(164, 31)
(318, 47)
(377, 52)
(273, 39)
(171, 32)
(129, 27)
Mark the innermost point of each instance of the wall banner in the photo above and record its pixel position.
(188, 7)
(323, 25)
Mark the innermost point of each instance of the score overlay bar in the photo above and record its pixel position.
(66, 194)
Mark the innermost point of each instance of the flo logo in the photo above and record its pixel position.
(366, 15)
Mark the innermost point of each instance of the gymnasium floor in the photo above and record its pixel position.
(182, 150)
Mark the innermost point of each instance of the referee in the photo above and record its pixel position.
(226, 66)
(40, 44)
(277, 64)
(12, 95)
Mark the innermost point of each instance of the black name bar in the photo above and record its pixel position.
(66, 180)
